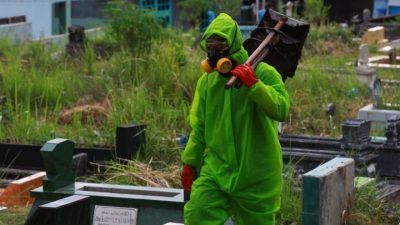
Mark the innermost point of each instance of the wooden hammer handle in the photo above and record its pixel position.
(260, 52)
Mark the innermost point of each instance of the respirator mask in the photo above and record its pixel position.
(218, 55)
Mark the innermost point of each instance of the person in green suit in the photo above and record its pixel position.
(234, 145)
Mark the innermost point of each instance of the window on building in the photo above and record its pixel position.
(162, 8)
(14, 19)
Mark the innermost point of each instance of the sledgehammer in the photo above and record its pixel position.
(261, 51)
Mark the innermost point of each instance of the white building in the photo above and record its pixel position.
(47, 17)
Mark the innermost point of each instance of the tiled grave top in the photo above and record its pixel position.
(329, 167)
(120, 191)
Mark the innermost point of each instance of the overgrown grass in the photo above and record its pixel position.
(14, 216)
(155, 86)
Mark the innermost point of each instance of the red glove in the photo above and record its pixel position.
(246, 74)
(187, 177)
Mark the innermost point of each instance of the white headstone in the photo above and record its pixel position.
(289, 8)
(363, 57)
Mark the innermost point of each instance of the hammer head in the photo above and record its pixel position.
(285, 52)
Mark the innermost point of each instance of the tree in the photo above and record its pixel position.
(231, 7)
(316, 12)
(192, 10)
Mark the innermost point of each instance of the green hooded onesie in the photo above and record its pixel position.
(234, 142)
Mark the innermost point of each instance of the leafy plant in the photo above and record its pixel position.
(231, 7)
(192, 10)
(89, 58)
(132, 26)
(316, 12)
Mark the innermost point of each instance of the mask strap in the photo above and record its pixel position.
(233, 41)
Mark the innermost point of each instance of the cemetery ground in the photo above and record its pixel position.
(85, 97)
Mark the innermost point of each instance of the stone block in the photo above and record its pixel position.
(326, 192)
(72, 210)
(393, 132)
(355, 134)
(374, 35)
(129, 139)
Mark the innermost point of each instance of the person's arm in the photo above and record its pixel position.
(270, 93)
(193, 153)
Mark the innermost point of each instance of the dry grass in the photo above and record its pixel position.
(134, 172)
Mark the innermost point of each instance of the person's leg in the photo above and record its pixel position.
(249, 213)
(207, 205)
(257, 204)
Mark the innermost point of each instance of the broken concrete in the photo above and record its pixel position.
(18, 191)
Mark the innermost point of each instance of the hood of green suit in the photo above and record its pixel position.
(224, 26)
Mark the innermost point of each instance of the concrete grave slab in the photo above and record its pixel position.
(326, 192)
(378, 117)
(154, 205)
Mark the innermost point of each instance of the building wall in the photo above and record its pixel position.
(88, 13)
(39, 13)
(17, 32)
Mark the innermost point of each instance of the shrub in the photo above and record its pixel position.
(131, 26)
(316, 12)
(330, 39)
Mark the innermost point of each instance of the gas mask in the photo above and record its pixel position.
(217, 61)
(218, 55)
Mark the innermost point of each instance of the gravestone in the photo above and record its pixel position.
(109, 204)
(72, 210)
(57, 159)
(388, 163)
(363, 55)
(326, 192)
(366, 15)
(366, 74)
(356, 135)
(76, 37)
(377, 93)
(129, 139)
(289, 8)
(393, 132)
